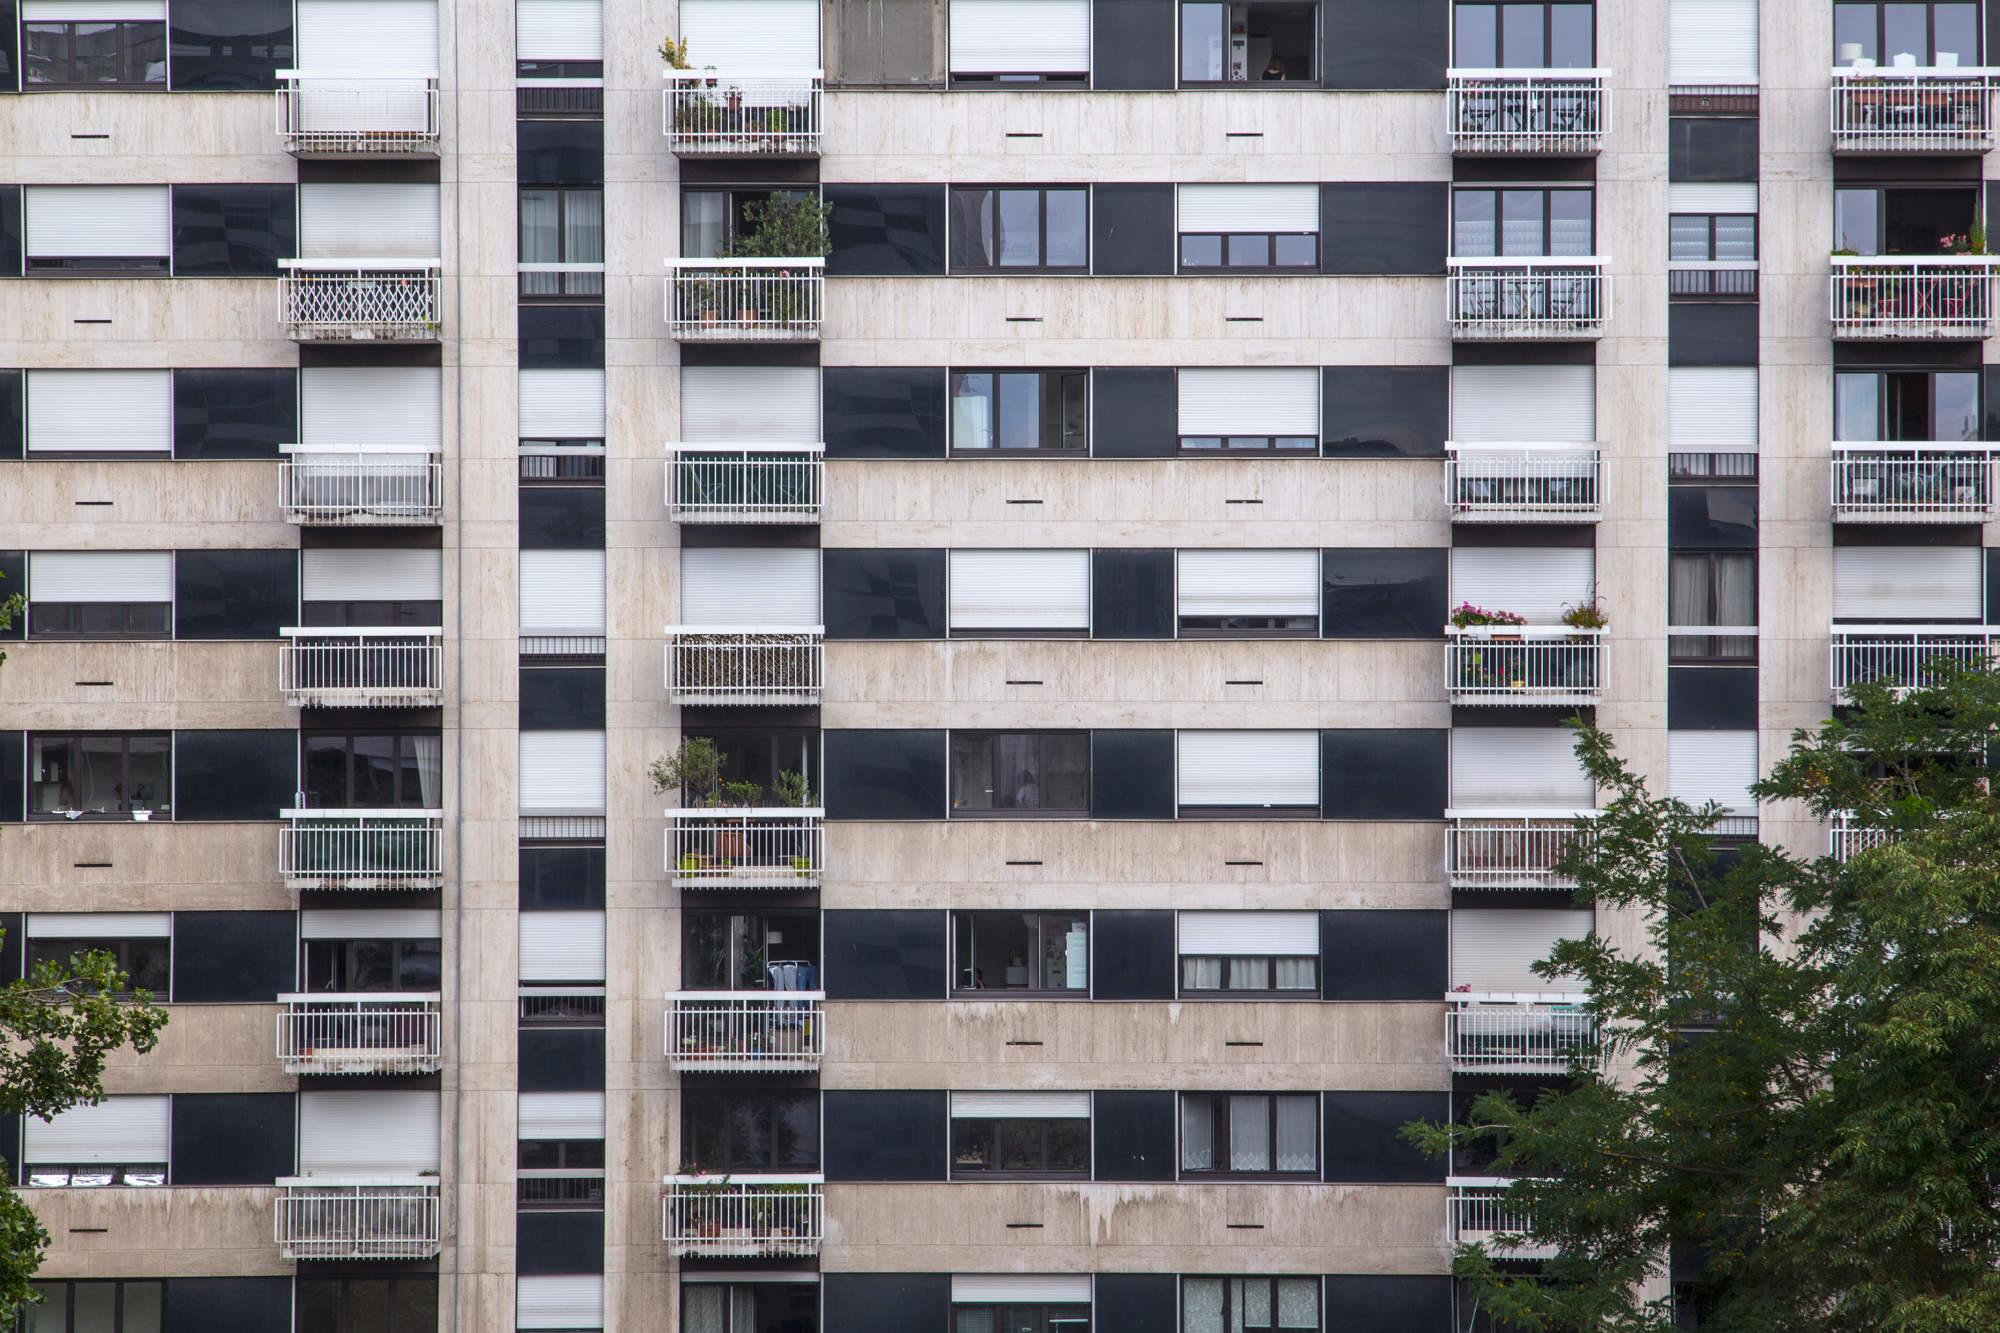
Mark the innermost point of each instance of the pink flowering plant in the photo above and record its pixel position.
(1466, 615)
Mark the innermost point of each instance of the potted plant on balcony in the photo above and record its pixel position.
(782, 228)
(694, 772)
(1489, 665)
(793, 792)
(704, 1194)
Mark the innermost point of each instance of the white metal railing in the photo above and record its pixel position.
(762, 848)
(1517, 1033)
(1524, 664)
(368, 1033)
(1509, 849)
(1902, 655)
(735, 114)
(390, 300)
(751, 665)
(746, 1030)
(1928, 110)
(745, 483)
(745, 300)
(1501, 483)
(1479, 1211)
(362, 849)
(361, 485)
(341, 667)
(1555, 297)
(359, 1217)
(1913, 483)
(352, 114)
(1847, 837)
(748, 1217)
(1527, 110)
(1905, 296)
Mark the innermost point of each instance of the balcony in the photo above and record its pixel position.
(362, 668)
(1847, 837)
(361, 486)
(1559, 298)
(783, 665)
(1524, 664)
(381, 113)
(320, 1033)
(359, 1217)
(1509, 849)
(1712, 279)
(362, 849)
(746, 1031)
(1913, 483)
(1903, 656)
(756, 1217)
(743, 115)
(1906, 110)
(778, 848)
(746, 300)
(1530, 112)
(1899, 296)
(1479, 1212)
(1516, 1033)
(745, 483)
(1524, 483)
(361, 300)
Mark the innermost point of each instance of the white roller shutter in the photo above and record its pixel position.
(562, 773)
(99, 925)
(562, 947)
(93, 11)
(752, 36)
(1719, 766)
(1493, 949)
(1517, 768)
(1245, 400)
(1524, 404)
(1250, 934)
(1246, 583)
(383, 574)
(750, 404)
(562, 593)
(750, 586)
(1712, 197)
(1712, 409)
(1209, 208)
(1915, 583)
(1020, 36)
(562, 404)
(1020, 1288)
(1532, 581)
(1249, 768)
(380, 1131)
(1711, 41)
(562, 1115)
(361, 36)
(350, 405)
(373, 923)
(559, 1301)
(101, 576)
(1020, 1105)
(373, 221)
(118, 1130)
(99, 221)
(1021, 590)
(559, 30)
(100, 411)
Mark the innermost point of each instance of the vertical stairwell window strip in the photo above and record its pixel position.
(566, 227)
(1711, 588)
(1015, 229)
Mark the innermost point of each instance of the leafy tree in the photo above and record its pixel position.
(1802, 1067)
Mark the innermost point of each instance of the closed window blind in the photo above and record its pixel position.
(1212, 584)
(99, 222)
(1517, 768)
(1912, 583)
(1020, 1288)
(101, 576)
(1248, 208)
(562, 947)
(750, 586)
(562, 593)
(559, 1301)
(1495, 950)
(343, 406)
(359, 36)
(559, 30)
(389, 574)
(750, 404)
(1524, 404)
(562, 1115)
(387, 1131)
(120, 1130)
(371, 923)
(1719, 766)
(1712, 41)
(752, 36)
(100, 411)
(1020, 36)
(562, 773)
(1251, 934)
(1260, 769)
(1712, 197)
(1020, 590)
(1532, 581)
(562, 404)
(1712, 409)
(92, 11)
(1249, 400)
(372, 221)
(1020, 1105)
(99, 925)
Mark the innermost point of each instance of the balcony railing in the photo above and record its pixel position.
(749, 1218)
(754, 665)
(361, 485)
(362, 668)
(1903, 656)
(1900, 296)
(778, 848)
(361, 300)
(1517, 483)
(357, 115)
(1517, 1034)
(1479, 1212)
(1530, 111)
(1712, 279)
(362, 849)
(746, 300)
(743, 114)
(724, 1031)
(320, 1033)
(1913, 483)
(1912, 110)
(745, 483)
(1554, 298)
(1509, 849)
(359, 1217)
(1524, 664)
(1847, 837)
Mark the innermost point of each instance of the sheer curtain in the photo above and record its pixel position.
(429, 751)
(701, 1307)
(1202, 1298)
(1296, 1133)
(541, 240)
(1735, 602)
(1249, 1134)
(1197, 1134)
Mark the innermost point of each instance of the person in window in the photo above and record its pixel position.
(1275, 71)
(1027, 792)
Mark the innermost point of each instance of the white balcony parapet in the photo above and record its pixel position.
(1524, 664)
(361, 485)
(780, 847)
(1847, 837)
(745, 483)
(1523, 483)
(361, 300)
(1902, 656)
(1909, 296)
(362, 849)
(370, 1033)
(743, 1217)
(341, 114)
(1494, 1033)
(746, 1031)
(748, 665)
(359, 1217)
(746, 300)
(743, 114)
(1479, 1212)
(1908, 482)
(1912, 110)
(1529, 111)
(1509, 849)
(1556, 297)
(343, 667)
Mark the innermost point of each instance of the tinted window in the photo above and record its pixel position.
(1017, 410)
(223, 594)
(1712, 517)
(1135, 413)
(561, 1059)
(1383, 774)
(1712, 335)
(10, 221)
(13, 414)
(235, 1138)
(234, 413)
(1383, 592)
(1364, 1139)
(1132, 774)
(1002, 229)
(873, 1135)
(1384, 411)
(889, 774)
(219, 45)
(560, 152)
(235, 957)
(1134, 46)
(873, 593)
(1132, 594)
(1134, 955)
(884, 955)
(562, 879)
(1383, 954)
(562, 518)
(235, 774)
(1020, 772)
(1133, 228)
(889, 412)
(233, 231)
(561, 337)
(1376, 227)
(885, 230)
(1385, 43)
(562, 699)
(1711, 148)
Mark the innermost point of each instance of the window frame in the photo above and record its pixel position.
(1227, 990)
(1315, 72)
(738, 194)
(1500, 32)
(343, 1319)
(1713, 284)
(1680, 651)
(69, 1286)
(1219, 1114)
(963, 967)
(1230, 1281)
(992, 1127)
(119, 1175)
(1881, 190)
(1042, 1320)
(698, 1106)
(1016, 811)
(400, 735)
(1224, 238)
(1499, 190)
(1041, 193)
(561, 1186)
(1062, 377)
(156, 810)
(1884, 425)
(126, 57)
(1930, 7)
(569, 287)
(120, 947)
(400, 949)
(40, 611)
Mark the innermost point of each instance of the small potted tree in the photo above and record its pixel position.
(693, 772)
(794, 792)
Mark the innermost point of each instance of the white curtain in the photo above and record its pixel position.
(430, 769)
(1298, 1302)
(1197, 1134)
(1293, 973)
(1202, 1297)
(701, 1307)
(1201, 973)
(1249, 1134)
(1296, 1135)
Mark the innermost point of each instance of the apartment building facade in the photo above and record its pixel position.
(1112, 615)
